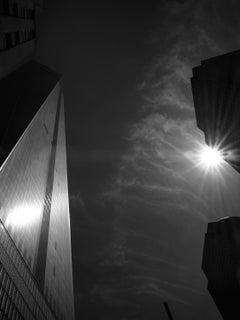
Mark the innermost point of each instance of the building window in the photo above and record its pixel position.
(2, 41)
(15, 9)
(17, 37)
(33, 14)
(6, 8)
(8, 40)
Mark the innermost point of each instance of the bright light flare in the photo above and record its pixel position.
(211, 158)
(23, 215)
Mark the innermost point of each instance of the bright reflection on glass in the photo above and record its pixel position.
(23, 215)
(210, 157)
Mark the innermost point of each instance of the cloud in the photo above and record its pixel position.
(76, 200)
(155, 169)
(78, 157)
(154, 215)
(79, 211)
(163, 142)
(158, 188)
(185, 37)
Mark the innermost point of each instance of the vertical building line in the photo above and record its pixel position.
(40, 265)
(168, 310)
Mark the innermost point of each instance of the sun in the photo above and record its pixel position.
(211, 157)
(208, 160)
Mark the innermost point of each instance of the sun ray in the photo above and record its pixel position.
(210, 158)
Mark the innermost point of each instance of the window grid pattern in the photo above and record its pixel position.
(18, 10)
(23, 180)
(9, 40)
(20, 297)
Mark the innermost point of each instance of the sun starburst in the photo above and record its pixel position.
(210, 157)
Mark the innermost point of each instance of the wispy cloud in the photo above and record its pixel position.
(161, 143)
(154, 175)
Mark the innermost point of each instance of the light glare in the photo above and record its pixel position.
(211, 157)
(23, 215)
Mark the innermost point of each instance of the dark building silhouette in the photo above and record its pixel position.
(221, 265)
(216, 95)
(35, 241)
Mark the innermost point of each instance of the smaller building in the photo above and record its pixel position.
(221, 265)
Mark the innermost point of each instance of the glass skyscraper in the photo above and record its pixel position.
(35, 243)
(35, 240)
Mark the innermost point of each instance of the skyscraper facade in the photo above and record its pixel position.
(221, 265)
(34, 208)
(35, 241)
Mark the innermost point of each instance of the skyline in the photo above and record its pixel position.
(139, 206)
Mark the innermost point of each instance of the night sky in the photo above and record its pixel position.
(139, 204)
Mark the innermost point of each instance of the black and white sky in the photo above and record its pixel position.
(139, 206)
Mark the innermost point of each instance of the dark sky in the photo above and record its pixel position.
(139, 207)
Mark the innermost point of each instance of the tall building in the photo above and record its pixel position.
(35, 240)
(216, 95)
(221, 265)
